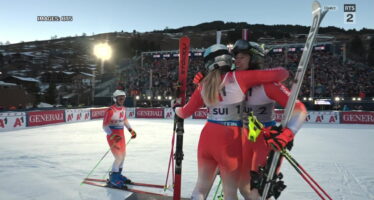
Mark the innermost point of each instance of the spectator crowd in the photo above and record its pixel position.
(331, 77)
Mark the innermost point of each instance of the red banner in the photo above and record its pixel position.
(38, 118)
(357, 118)
(200, 114)
(149, 113)
(98, 113)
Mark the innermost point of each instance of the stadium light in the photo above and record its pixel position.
(337, 98)
(137, 97)
(230, 46)
(158, 97)
(372, 99)
(358, 98)
(310, 99)
(149, 97)
(103, 51)
(354, 99)
(304, 98)
(170, 98)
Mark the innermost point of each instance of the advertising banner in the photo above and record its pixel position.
(130, 112)
(12, 120)
(37, 118)
(77, 115)
(357, 118)
(200, 114)
(97, 113)
(149, 113)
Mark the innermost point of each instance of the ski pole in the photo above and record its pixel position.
(302, 171)
(215, 176)
(101, 159)
(97, 164)
(173, 171)
(303, 176)
(219, 184)
(170, 160)
(306, 173)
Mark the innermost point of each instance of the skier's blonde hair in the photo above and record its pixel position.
(211, 86)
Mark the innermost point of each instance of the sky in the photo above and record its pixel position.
(18, 18)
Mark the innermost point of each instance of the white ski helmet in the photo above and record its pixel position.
(118, 93)
(217, 57)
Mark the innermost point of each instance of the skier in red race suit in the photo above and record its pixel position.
(260, 100)
(223, 92)
(113, 124)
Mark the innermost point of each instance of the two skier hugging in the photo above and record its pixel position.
(230, 95)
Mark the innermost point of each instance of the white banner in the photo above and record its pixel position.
(12, 121)
(130, 112)
(168, 113)
(77, 115)
(323, 117)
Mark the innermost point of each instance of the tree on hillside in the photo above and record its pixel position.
(138, 44)
(51, 94)
(232, 36)
(371, 53)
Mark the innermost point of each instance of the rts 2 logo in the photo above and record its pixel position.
(349, 13)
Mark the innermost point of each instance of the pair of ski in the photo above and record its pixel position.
(103, 183)
(318, 13)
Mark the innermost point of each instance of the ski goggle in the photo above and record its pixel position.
(215, 50)
(247, 47)
(223, 61)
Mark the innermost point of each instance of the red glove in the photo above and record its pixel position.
(115, 137)
(198, 77)
(277, 137)
(133, 133)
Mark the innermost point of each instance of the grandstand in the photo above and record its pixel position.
(332, 81)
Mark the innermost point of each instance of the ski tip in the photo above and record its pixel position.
(185, 38)
(315, 6)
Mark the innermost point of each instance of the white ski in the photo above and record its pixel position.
(318, 15)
